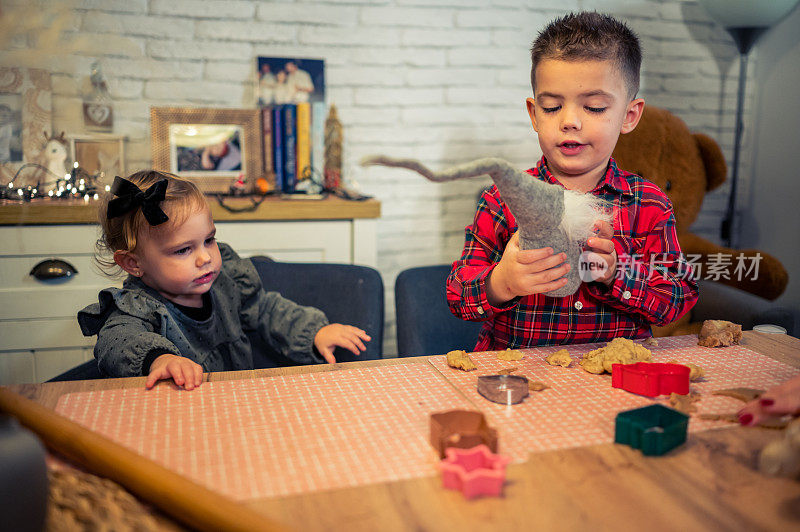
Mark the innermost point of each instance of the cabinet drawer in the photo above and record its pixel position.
(15, 273)
(48, 302)
(17, 367)
(328, 241)
(16, 335)
(48, 240)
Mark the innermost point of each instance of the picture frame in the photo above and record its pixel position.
(26, 124)
(289, 80)
(99, 153)
(211, 147)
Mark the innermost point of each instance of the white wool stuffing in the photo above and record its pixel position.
(581, 211)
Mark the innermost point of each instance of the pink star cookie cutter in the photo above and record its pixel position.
(474, 472)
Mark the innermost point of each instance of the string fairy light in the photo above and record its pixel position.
(78, 183)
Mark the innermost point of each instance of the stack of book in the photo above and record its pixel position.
(293, 142)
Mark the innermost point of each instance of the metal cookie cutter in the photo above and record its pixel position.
(503, 389)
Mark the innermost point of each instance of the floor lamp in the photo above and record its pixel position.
(746, 21)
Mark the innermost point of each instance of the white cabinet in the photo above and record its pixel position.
(39, 333)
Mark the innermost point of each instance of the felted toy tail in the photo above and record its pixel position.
(489, 165)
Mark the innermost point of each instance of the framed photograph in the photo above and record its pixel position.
(212, 147)
(10, 128)
(25, 119)
(289, 80)
(99, 153)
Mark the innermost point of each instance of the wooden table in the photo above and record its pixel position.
(709, 483)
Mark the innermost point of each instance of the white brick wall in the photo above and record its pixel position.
(441, 80)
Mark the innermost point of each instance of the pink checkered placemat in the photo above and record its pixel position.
(579, 408)
(282, 435)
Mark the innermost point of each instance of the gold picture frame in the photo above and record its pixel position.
(31, 91)
(100, 154)
(204, 145)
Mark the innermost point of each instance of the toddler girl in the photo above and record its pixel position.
(187, 302)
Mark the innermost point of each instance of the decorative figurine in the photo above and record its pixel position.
(55, 153)
(98, 110)
(333, 150)
(239, 187)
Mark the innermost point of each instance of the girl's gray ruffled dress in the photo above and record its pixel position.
(134, 320)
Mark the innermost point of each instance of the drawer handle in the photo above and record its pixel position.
(53, 269)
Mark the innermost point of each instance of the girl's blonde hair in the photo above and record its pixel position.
(123, 233)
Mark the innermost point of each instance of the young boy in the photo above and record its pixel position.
(585, 76)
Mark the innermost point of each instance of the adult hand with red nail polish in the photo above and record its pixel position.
(776, 402)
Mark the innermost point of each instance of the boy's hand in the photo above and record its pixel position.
(183, 371)
(525, 272)
(603, 246)
(346, 336)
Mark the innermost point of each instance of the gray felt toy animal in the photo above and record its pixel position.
(548, 215)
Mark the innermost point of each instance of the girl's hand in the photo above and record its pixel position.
(776, 402)
(525, 272)
(336, 334)
(602, 245)
(183, 371)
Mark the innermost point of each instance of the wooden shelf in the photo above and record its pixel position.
(49, 212)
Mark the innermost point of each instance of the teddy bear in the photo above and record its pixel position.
(685, 166)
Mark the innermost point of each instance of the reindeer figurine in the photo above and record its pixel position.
(54, 154)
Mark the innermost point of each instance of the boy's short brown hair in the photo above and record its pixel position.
(589, 35)
(182, 198)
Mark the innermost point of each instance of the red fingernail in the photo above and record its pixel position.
(767, 402)
(745, 419)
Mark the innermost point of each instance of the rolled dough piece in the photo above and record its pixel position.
(559, 358)
(743, 394)
(617, 351)
(684, 403)
(460, 360)
(779, 458)
(730, 418)
(719, 333)
(695, 372)
(510, 355)
(536, 386)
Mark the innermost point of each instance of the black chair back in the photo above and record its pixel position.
(425, 325)
(83, 372)
(346, 293)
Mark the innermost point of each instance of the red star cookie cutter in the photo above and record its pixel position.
(651, 378)
(474, 472)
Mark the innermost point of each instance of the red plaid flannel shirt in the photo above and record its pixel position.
(653, 285)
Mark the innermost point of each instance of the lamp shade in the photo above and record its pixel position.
(748, 13)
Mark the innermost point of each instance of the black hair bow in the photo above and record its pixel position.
(130, 197)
